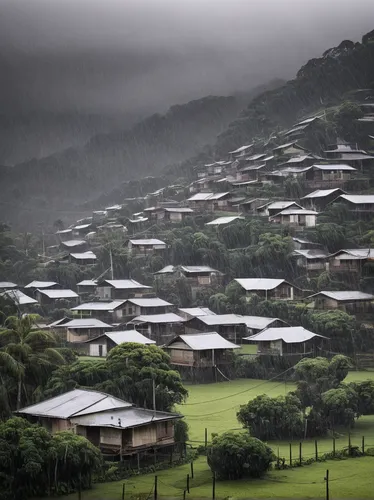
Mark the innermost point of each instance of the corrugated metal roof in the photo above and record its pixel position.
(358, 156)
(64, 231)
(199, 269)
(7, 284)
(259, 283)
(204, 341)
(354, 254)
(259, 322)
(157, 318)
(217, 196)
(224, 220)
(200, 197)
(197, 311)
(166, 270)
(77, 401)
(284, 146)
(242, 148)
(344, 296)
(139, 219)
(87, 283)
(99, 306)
(41, 284)
(123, 418)
(182, 210)
(289, 335)
(84, 323)
(124, 336)
(335, 166)
(84, 255)
(82, 226)
(149, 242)
(299, 159)
(73, 243)
(358, 199)
(321, 193)
(149, 302)
(18, 297)
(59, 294)
(222, 319)
(125, 284)
(298, 211)
(313, 253)
(279, 205)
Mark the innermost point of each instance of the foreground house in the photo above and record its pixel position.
(296, 217)
(120, 289)
(269, 288)
(7, 285)
(159, 327)
(100, 346)
(352, 302)
(200, 350)
(289, 341)
(115, 426)
(350, 260)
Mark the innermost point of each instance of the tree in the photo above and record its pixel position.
(365, 394)
(28, 354)
(235, 456)
(273, 418)
(340, 406)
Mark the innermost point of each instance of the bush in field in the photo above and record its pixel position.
(235, 456)
(365, 394)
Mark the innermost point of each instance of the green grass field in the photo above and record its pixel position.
(351, 478)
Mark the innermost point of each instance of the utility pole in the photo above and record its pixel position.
(154, 396)
(111, 263)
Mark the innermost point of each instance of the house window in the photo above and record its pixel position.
(129, 309)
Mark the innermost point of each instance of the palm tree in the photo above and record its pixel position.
(27, 353)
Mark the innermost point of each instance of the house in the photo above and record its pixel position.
(7, 285)
(352, 302)
(328, 176)
(269, 288)
(64, 234)
(146, 306)
(270, 209)
(304, 244)
(74, 245)
(299, 129)
(301, 161)
(359, 204)
(200, 350)
(296, 217)
(159, 327)
(42, 285)
(120, 289)
(312, 259)
(79, 330)
(350, 154)
(146, 247)
(87, 287)
(250, 206)
(177, 214)
(319, 199)
(154, 213)
(240, 152)
(224, 220)
(209, 201)
(293, 341)
(113, 425)
(48, 297)
(100, 346)
(82, 258)
(111, 228)
(194, 312)
(81, 230)
(350, 260)
(287, 150)
(108, 311)
(18, 298)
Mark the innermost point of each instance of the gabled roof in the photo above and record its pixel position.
(84, 255)
(331, 166)
(197, 311)
(222, 319)
(18, 297)
(296, 211)
(59, 294)
(126, 284)
(207, 196)
(124, 336)
(321, 193)
(313, 253)
(149, 242)
(250, 284)
(344, 296)
(354, 254)
(260, 322)
(75, 402)
(64, 231)
(224, 220)
(82, 226)
(99, 306)
(149, 302)
(7, 284)
(201, 342)
(239, 150)
(166, 270)
(41, 284)
(358, 199)
(199, 269)
(81, 323)
(73, 243)
(87, 283)
(281, 205)
(289, 335)
(157, 318)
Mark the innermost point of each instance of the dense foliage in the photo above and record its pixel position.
(237, 456)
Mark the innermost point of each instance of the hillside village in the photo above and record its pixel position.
(264, 252)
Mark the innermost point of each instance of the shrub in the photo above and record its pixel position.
(234, 456)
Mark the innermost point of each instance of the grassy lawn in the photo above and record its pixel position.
(351, 478)
(248, 349)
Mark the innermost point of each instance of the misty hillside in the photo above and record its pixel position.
(319, 84)
(40, 188)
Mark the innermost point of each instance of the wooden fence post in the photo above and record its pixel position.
(188, 483)
(349, 444)
(290, 455)
(363, 445)
(123, 491)
(191, 470)
(333, 446)
(155, 489)
(206, 438)
(300, 453)
(316, 449)
(327, 485)
(214, 487)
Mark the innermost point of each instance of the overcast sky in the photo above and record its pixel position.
(109, 55)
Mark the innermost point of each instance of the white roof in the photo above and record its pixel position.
(259, 322)
(64, 231)
(149, 302)
(222, 319)
(335, 166)
(139, 219)
(299, 159)
(239, 150)
(199, 269)
(41, 284)
(73, 243)
(345, 296)
(354, 254)
(125, 336)
(83, 323)
(207, 196)
(82, 226)
(75, 402)
(99, 306)
(84, 255)
(279, 205)
(259, 283)
(283, 146)
(18, 297)
(87, 283)
(158, 318)
(59, 294)
(197, 311)
(149, 242)
(114, 207)
(298, 211)
(224, 220)
(203, 342)
(7, 284)
(358, 199)
(125, 284)
(166, 270)
(312, 253)
(179, 210)
(289, 335)
(320, 193)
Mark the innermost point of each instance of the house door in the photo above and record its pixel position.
(93, 435)
(100, 350)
